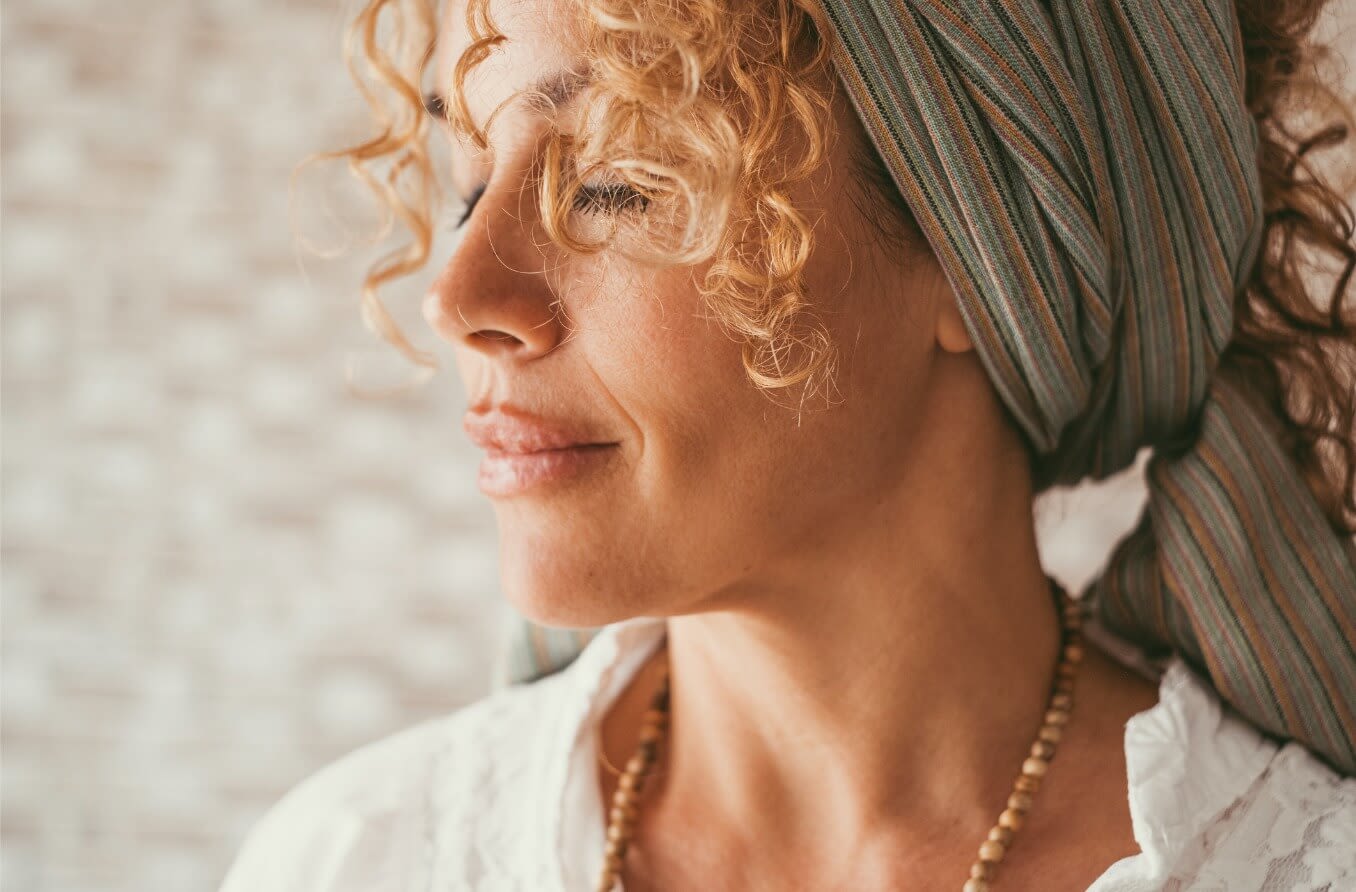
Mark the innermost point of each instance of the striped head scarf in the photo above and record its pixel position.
(1086, 173)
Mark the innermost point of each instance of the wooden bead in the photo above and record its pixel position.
(614, 862)
(623, 814)
(1020, 801)
(992, 850)
(1062, 700)
(982, 870)
(1057, 717)
(1073, 653)
(1010, 818)
(1027, 783)
(617, 832)
(1051, 733)
(1042, 749)
(615, 847)
(1001, 835)
(628, 782)
(974, 885)
(637, 764)
(1035, 767)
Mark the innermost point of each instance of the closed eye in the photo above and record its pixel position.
(470, 206)
(611, 198)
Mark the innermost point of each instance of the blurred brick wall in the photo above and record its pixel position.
(220, 570)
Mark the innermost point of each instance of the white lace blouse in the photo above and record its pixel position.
(503, 795)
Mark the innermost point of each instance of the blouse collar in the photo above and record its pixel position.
(598, 673)
(1188, 757)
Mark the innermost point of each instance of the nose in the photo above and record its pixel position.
(492, 296)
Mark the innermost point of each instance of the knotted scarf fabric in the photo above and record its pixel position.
(1086, 173)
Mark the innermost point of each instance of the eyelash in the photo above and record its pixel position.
(609, 197)
(470, 206)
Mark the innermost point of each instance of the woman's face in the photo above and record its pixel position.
(711, 489)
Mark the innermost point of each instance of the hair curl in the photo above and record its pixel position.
(716, 109)
(1299, 353)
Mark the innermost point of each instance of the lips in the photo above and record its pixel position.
(524, 451)
(505, 429)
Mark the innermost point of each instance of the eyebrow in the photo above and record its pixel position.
(550, 91)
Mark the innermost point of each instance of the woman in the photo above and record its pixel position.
(774, 318)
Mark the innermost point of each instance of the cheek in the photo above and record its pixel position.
(722, 479)
(722, 463)
(661, 530)
(660, 360)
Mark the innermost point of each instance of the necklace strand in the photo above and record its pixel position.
(631, 782)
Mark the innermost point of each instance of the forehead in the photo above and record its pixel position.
(541, 39)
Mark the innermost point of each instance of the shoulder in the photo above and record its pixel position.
(371, 819)
(1219, 804)
(1297, 823)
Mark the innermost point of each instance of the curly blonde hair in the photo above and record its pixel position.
(716, 109)
(695, 102)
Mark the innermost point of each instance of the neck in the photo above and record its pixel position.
(886, 679)
(892, 694)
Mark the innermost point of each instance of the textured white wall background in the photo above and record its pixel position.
(220, 570)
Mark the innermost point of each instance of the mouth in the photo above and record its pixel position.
(504, 473)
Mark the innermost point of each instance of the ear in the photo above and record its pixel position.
(951, 333)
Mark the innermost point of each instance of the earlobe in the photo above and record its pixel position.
(951, 333)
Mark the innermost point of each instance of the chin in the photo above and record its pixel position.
(563, 585)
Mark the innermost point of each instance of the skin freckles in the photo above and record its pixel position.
(860, 631)
(631, 351)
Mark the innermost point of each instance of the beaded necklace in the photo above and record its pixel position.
(631, 783)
